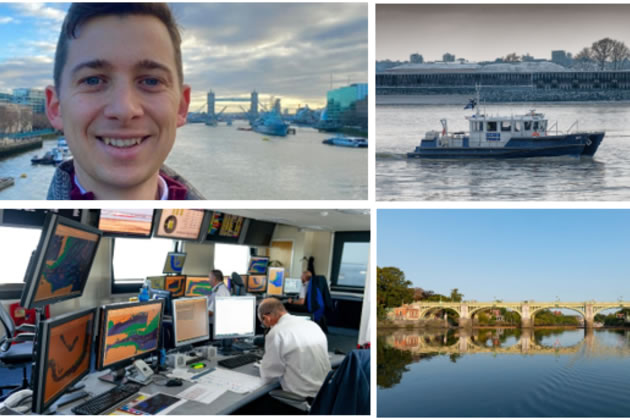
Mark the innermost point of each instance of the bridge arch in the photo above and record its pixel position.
(599, 309)
(425, 311)
(474, 311)
(554, 306)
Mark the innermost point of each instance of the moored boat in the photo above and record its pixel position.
(342, 141)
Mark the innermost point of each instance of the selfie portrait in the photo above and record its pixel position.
(183, 101)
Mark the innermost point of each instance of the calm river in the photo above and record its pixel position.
(504, 373)
(227, 164)
(399, 129)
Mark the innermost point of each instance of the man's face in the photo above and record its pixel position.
(213, 280)
(120, 100)
(305, 278)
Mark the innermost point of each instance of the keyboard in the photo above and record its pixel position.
(107, 400)
(240, 360)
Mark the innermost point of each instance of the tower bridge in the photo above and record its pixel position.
(466, 311)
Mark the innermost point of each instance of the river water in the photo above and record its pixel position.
(227, 164)
(606, 177)
(504, 373)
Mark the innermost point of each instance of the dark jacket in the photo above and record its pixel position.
(346, 390)
(318, 297)
(62, 184)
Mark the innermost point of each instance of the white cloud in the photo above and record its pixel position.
(6, 19)
(40, 10)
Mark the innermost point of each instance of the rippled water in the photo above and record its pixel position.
(504, 373)
(227, 164)
(399, 130)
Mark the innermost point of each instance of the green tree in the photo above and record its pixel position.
(456, 296)
(393, 289)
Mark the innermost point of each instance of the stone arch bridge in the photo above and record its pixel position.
(466, 311)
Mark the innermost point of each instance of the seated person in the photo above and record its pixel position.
(314, 299)
(306, 278)
(296, 350)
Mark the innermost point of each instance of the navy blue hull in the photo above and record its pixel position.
(581, 144)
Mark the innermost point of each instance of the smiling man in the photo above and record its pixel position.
(119, 98)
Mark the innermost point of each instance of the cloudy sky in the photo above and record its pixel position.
(284, 50)
(485, 32)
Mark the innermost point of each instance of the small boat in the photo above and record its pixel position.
(343, 141)
(52, 157)
(6, 182)
(505, 137)
(271, 123)
(62, 145)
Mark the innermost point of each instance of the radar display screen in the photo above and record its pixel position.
(198, 286)
(276, 281)
(180, 223)
(130, 331)
(67, 262)
(176, 285)
(136, 222)
(258, 265)
(256, 283)
(65, 352)
(225, 227)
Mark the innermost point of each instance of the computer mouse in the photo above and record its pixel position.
(174, 382)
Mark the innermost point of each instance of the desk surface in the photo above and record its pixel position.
(225, 404)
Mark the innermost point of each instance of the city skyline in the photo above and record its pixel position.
(511, 255)
(485, 32)
(290, 51)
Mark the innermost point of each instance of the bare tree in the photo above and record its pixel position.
(512, 58)
(602, 50)
(619, 53)
(583, 55)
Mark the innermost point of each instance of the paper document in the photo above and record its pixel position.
(205, 393)
(234, 381)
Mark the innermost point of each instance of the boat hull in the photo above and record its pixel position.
(580, 144)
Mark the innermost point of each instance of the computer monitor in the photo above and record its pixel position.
(190, 320)
(234, 317)
(135, 223)
(275, 281)
(198, 286)
(166, 296)
(180, 224)
(129, 331)
(64, 350)
(224, 228)
(174, 262)
(176, 285)
(256, 283)
(292, 286)
(157, 282)
(258, 265)
(59, 267)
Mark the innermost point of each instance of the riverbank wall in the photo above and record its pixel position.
(10, 147)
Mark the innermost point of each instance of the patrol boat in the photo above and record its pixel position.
(505, 137)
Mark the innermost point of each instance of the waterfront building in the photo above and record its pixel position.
(348, 105)
(416, 58)
(33, 98)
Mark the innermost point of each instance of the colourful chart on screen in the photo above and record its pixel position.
(131, 331)
(66, 263)
(176, 285)
(256, 284)
(258, 265)
(157, 282)
(136, 222)
(180, 223)
(276, 280)
(69, 348)
(198, 286)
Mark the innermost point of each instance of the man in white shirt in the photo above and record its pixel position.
(296, 350)
(218, 289)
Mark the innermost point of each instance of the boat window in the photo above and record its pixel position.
(535, 125)
(506, 126)
(492, 126)
(517, 126)
(543, 125)
(477, 126)
(527, 125)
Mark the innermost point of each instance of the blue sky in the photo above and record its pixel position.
(285, 50)
(513, 255)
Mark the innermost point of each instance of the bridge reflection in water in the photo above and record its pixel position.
(506, 341)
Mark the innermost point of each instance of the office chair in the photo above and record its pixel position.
(16, 348)
(238, 286)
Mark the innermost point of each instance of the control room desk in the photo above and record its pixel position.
(225, 404)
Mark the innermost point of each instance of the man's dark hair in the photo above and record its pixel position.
(80, 13)
(218, 274)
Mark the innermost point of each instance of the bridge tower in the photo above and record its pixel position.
(465, 321)
(253, 109)
(526, 316)
(211, 104)
(589, 319)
